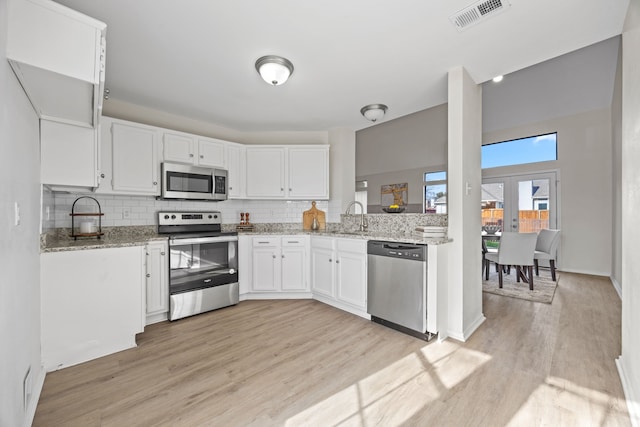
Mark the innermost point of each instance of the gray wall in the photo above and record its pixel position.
(400, 151)
(19, 245)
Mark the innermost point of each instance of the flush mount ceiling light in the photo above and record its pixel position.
(275, 70)
(373, 112)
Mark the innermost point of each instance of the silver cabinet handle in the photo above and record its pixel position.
(190, 154)
(201, 156)
(337, 261)
(282, 255)
(289, 189)
(274, 256)
(230, 188)
(101, 175)
(155, 182)
(330, 260)
(161, 253)
(148, 275)
(281, 189)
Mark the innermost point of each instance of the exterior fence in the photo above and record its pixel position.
(529, 221)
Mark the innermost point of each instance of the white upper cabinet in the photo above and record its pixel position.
(265, 172)
(178, 148)
(308, 172)
(135, 160)
(58, 55)
(193, 150)
(212, 153)
(288, 172)
(236, 164)
(68, 156)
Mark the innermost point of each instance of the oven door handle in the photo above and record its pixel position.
(202, 240)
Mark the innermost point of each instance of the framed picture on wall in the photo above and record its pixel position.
(394, 194)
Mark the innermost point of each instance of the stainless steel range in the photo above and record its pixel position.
(203, 260)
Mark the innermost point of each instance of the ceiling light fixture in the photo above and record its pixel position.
(498, 79)
(373, 112)
(275, 70)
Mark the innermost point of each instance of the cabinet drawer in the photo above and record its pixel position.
(266, 241)
(352, 245)
(322, 242)
(295, 241)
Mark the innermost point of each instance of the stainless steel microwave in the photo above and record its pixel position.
(193, 182)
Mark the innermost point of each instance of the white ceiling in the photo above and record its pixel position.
(196, 58)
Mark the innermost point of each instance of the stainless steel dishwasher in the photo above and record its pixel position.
(397, 286)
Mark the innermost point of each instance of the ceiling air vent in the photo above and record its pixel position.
(477, 12)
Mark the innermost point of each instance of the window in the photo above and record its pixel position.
(532, 149)
(435, 192)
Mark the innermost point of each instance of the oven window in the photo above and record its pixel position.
(189, 182)
(200, 257)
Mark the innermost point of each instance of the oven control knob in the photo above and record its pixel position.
(210, 216)
(173, 217)
(166, 217)
(215, 216)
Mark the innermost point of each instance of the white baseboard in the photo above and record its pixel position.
(591, 273)
(30, 411)
(616, 286)
(464, 336)
(632, 396)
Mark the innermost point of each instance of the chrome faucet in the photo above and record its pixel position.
(363, 221)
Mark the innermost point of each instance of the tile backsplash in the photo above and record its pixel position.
(139, 210)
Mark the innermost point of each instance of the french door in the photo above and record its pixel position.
(520, 203)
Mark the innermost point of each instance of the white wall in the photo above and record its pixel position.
(585, 165)
(629, 361)
(19, 245)
(616, 167)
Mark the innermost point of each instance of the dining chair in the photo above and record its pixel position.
(546, 246)
(515, 249)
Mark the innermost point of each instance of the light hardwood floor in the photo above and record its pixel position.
(303, 363)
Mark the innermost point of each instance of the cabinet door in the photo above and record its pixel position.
(294, 264)
(178, 148)
(265, 172)
(68, 154)
(266, 265)
(135, 160)
(211, 153)
(351, 278)
(157, 284)
(308, 173)
(236, 160)
(322, 271)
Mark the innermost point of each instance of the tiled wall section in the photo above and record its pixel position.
(48, 210)
(139, 210)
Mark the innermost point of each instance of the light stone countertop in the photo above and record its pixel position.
(364, 235)
(58, 240)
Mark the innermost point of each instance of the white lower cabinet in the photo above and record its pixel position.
(91, 303)
(279, 267)
(339, 273)
(157, 284)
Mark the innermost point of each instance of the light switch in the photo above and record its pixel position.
(16, 216)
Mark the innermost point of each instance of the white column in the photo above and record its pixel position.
(463, 205)
(629, 360)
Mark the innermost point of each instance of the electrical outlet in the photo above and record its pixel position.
(126, 213)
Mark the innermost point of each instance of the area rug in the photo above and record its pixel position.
(543, 287)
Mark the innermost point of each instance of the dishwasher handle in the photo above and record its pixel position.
(389, 246)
